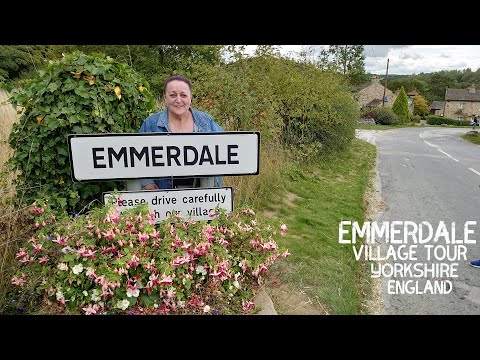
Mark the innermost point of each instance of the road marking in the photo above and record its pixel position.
(426, 142)
(447, 155)
(475, 171)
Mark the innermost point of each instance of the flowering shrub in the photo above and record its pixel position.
(107, 262)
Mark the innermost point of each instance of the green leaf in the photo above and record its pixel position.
(62, 202)
(146, 300)
(62, 151)
(52, 87)
(132, 300)
(69, 84)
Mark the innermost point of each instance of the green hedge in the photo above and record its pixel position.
(439, 120)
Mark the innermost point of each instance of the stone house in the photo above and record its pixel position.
(437, 108)
(462, 104)
(371, 95)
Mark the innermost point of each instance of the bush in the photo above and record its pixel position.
(78, 94)
(385, 116)
(106, 262)
(286, 101)
(416, 118)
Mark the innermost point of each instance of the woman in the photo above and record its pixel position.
(178, 116)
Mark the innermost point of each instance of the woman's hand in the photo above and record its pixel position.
(150, 187)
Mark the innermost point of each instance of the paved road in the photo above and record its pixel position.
(429, 175)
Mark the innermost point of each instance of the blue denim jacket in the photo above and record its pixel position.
(158, 122)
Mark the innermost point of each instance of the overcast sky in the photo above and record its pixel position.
(406, 59)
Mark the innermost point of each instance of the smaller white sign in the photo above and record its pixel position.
(192, 203)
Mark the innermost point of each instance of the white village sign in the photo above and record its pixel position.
(154, 155)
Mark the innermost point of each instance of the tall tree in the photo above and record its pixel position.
(400, 106)
(438, 82)
(420, 106)
(349, 60)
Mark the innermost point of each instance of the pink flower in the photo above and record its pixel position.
(19, 281)
(142, 236)
(166, 280)
(37, 248)
(108, 234)
(21, 254)
(91, 309)
(285, 253)
(247, 305)
(181, 259)
(134, 261)
(271, 245)
(186, 245)
(60, 240)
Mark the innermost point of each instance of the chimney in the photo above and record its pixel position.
(471, 89)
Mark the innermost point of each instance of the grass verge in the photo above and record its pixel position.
(383, 127)
(323, 271)
(473, 137)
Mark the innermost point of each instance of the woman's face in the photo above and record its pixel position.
(178, 97)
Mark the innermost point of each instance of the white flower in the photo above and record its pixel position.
(85, 293)
(206, 309)
(123, 304)
(59, 295)
(77, 269)
(66, 249)
(201, 270)
(155, 305)
(236, 284)
(132, 292)
(90, 271)
(62, 266)
(181, 304)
